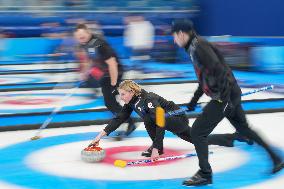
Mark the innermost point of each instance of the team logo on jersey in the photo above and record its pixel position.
(139, 108)
(150, 105)
(92, 50)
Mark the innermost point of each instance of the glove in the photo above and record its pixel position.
(97, 73)
(114, 90)
(228, 109)
(93, 144)
(191, 106)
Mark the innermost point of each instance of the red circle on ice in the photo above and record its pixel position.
(36, 101)
(112, 152)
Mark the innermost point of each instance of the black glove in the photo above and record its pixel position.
(93, 144)
(114, 90)
(191, 106)
(228, 108)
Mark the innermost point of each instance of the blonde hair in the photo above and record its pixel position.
(129, 85)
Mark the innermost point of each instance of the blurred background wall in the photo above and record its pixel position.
(246, 30)
(241, 17)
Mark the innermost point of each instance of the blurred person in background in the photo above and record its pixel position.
(63, 47)
(139, 38)
(100, 67)
(217, 81)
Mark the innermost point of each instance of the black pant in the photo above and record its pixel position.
(179, 126)
(107, 90)
(109, 96)
(205, 123)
